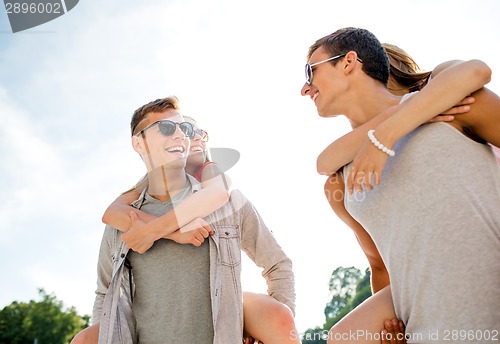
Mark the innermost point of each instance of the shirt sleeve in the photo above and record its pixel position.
(104, 271)
(261, 246)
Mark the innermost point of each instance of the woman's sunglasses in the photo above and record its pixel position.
(168, 128)
(202, 133)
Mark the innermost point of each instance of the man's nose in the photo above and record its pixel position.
(178, 132)
(305, 89)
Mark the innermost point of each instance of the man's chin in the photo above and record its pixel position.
(174, 164)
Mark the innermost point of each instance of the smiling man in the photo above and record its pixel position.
(433, 215)
(177, 292)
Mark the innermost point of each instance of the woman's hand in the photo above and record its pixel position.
(449, 115)
(139, 237)
(193, 233)
(369, 162)
(366, 168)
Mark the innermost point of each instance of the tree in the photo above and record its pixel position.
(315, 336)
(46, 321)
(342, 286)
(348, 288)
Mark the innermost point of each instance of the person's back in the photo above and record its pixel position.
(435, 220)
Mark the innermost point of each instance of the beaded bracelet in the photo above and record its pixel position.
(379, 145)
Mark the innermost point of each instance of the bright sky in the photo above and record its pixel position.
(68, 89)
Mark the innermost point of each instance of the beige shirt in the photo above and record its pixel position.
(237, 227)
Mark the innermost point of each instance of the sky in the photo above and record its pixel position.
(68, 89)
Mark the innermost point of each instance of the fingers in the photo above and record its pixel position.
(360, 180)
(393, 332)
(200, 234)
(467, 101)
(133, 216)
(457, 110)
(367, 181)
(442, 118)
(197, 224)
(376, 177)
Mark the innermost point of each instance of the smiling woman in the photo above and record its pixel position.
(142, 294)
(103, 63)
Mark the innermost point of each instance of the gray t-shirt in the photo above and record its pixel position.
(172, 302)
(435, 218)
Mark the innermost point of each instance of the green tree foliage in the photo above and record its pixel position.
(315, 336)
(342, 286)
(46, 321)
(348, 288)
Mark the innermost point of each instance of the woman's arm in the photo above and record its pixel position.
(472, 75)
(451, 85)
(343, 150)
(334, 192)
(117, 215)
(482, 123)
(213, 195)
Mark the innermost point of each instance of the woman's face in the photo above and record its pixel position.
(197, 150)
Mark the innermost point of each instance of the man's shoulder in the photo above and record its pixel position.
(237, 196)
(233, 208)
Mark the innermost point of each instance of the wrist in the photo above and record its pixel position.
(378, 144)
(386, 135)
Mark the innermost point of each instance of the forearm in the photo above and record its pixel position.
(444, 91)
(280, 282)
(198, 205)
(117, 216)
(343, 150)
(211, 197)
(261, 246)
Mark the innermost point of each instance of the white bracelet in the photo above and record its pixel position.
(379, 145)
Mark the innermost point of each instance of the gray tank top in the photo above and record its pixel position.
(435, 219)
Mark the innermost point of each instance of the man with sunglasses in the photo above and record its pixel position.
(434, 215)
(177, 292)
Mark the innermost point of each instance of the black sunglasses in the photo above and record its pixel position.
(168, 128)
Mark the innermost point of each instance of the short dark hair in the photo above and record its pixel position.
(158, 105)
(364, 43)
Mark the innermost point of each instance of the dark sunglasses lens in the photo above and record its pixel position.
(167, 128)
(187, 129)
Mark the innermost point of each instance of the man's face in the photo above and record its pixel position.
(325, 84)
(157, 149)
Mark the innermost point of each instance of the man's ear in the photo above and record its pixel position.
(350, 61)
(138, 144)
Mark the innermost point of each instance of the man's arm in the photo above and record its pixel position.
(260, 245)
(104, 272)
